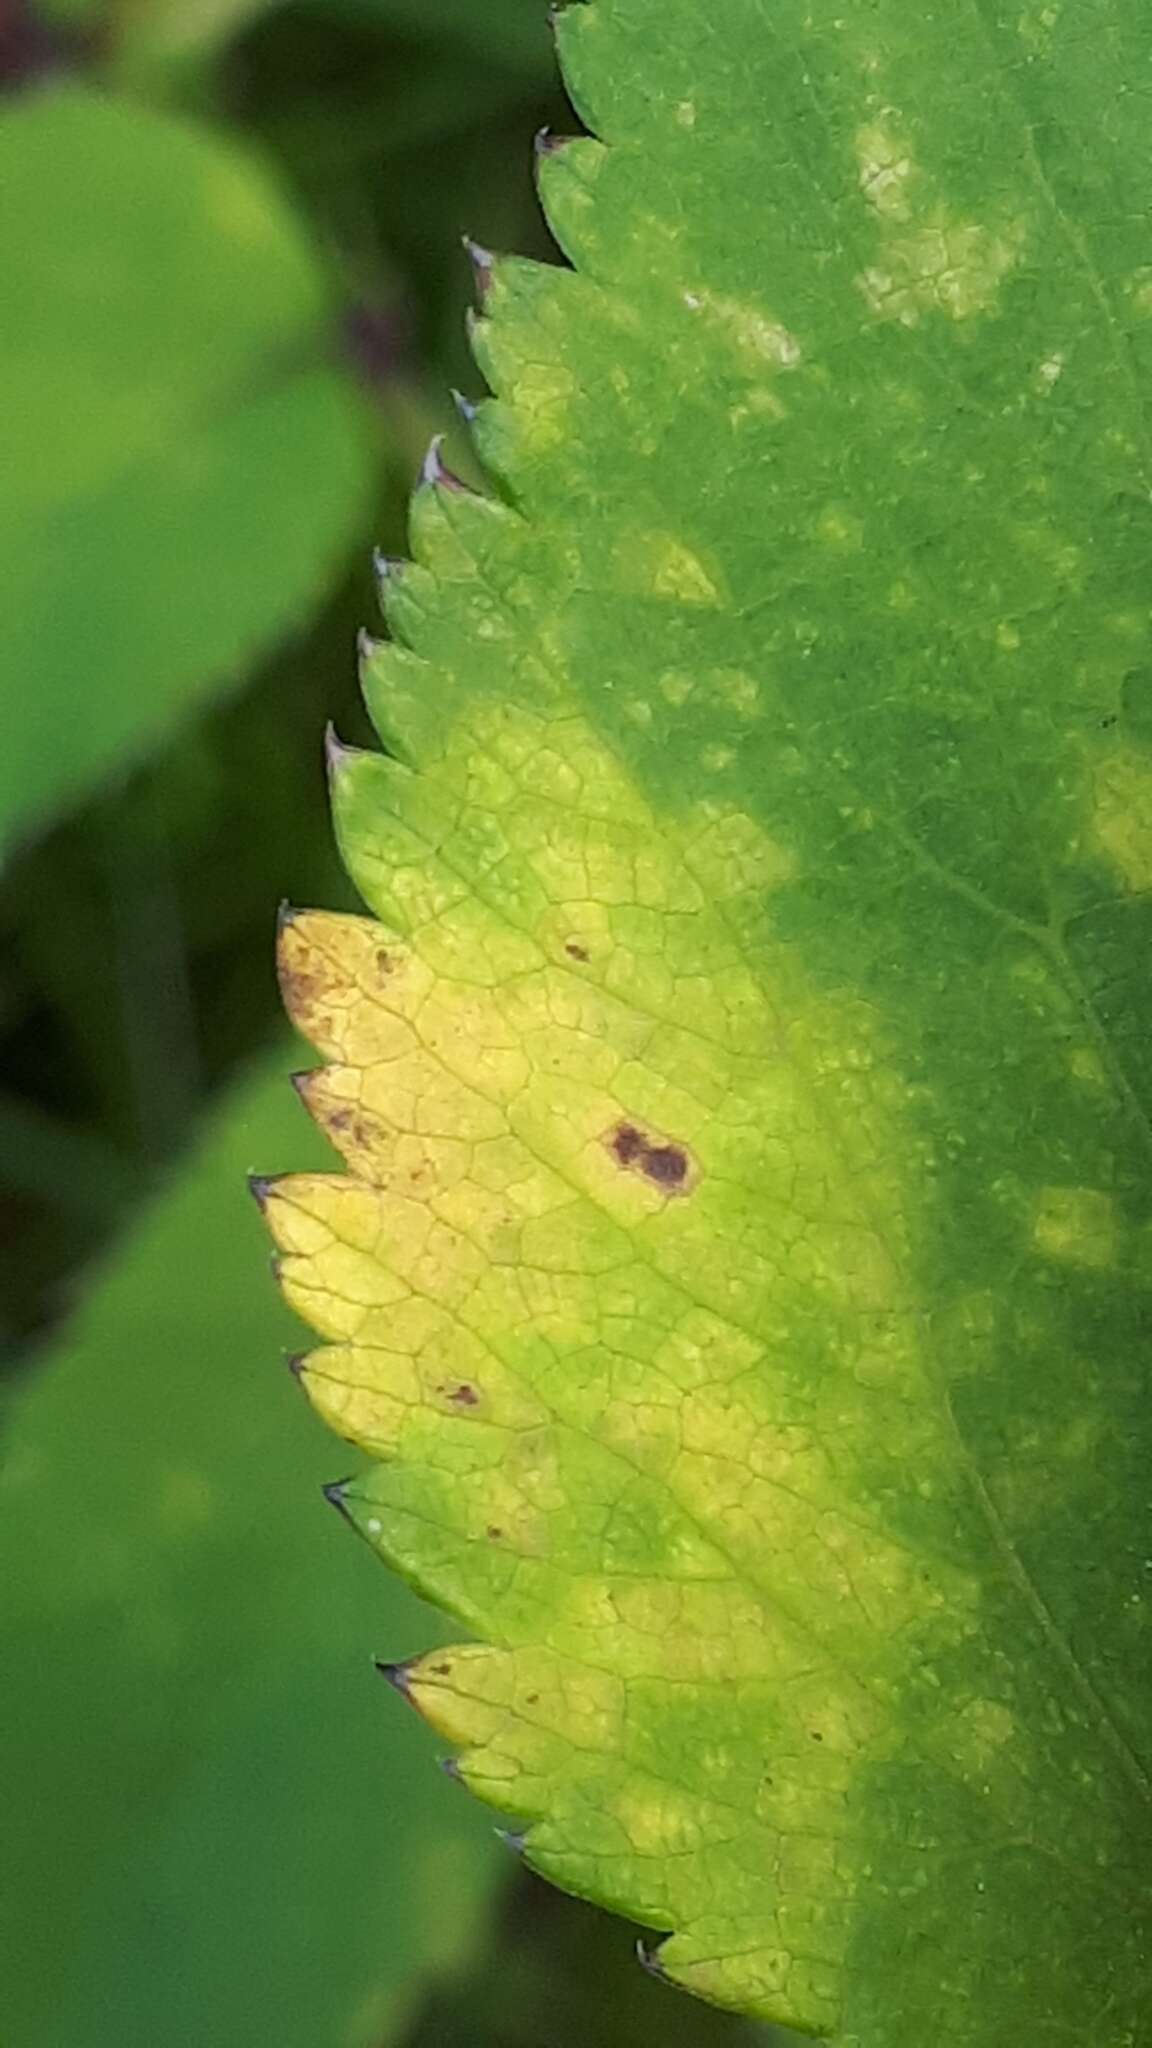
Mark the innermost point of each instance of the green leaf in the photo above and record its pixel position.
(212, 1832)
(184, 463)
(743, 1277)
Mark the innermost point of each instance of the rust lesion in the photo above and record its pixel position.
(666, 1165)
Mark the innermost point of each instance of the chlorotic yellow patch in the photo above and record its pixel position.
(624, 1227)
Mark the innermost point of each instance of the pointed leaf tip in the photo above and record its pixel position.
(297, 1361)
(336, 753)
(464, 406)
(260, 1186)
(512, 1838)
(385, 568)
(398, 1675)
(286, 915)
(483, 262)
(335, 1496)
(434, 471)
(450, 1766)
(649, 1960)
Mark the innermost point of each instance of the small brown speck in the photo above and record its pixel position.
(576, 952)
(493, 1533)
(385, 964)
(464, 1396)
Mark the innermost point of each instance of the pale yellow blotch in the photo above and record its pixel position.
(1007, 636)
(660, 1822)
(1087, 1066)
(929, 260)
(729, 853)
(544, 391)
(677, 685)
(1050, 371)
(979, 1737)
(840, 528)
(659, 565)
(1077, 1225)
(716, 757)
(686, 114)
(885, 170)
(1122, 815)
(1138, 289)
(754, 337)
(734, 689)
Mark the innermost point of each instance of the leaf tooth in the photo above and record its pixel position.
(261, 1186)
(398, 1675)
(336, 1497)
(512, 1838)
(483, 263)
(466, 407)
(648, 1957)
(386, 569)
(435, 473)
(546, 142)
(338, 755)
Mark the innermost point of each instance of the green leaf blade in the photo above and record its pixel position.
(185, 459)
(781, 806)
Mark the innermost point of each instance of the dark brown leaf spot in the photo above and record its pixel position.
(493, 1533)
(464, 1396)
(627, 1143)
(576, 952)
(385, 964)
(666, 1166)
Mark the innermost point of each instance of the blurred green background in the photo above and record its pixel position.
(232, 308)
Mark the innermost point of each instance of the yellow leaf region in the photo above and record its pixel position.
(616, 1292)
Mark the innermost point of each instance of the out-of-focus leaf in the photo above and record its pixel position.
(183, 463)
(512, 32)
(213, 1833)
